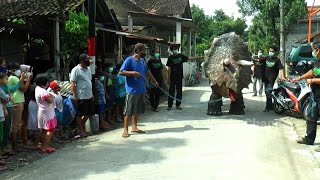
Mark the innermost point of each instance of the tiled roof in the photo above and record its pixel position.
(21, 8)
(162, 7)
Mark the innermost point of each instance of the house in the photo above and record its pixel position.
(165, 19)
(170, 20)
(30, 32)
(299, 32)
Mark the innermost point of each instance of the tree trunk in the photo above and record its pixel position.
(66, 69)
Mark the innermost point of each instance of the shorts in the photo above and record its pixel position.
(58, 115)
(16, 117)
(121, 101)
(85, 107)
(101, 108)
(134, 104)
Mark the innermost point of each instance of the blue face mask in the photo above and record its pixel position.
(102, 78)
(111, 69)
(272, 54)
(175, 51)
(157, 55)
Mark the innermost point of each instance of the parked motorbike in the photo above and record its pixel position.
(294, 97)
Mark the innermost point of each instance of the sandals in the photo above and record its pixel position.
(125, 135)
(139, 131)
(105, 127)
(49, 150)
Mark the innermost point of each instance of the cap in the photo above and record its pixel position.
(54, 85)
(84, 57)
(174, 46)
(139, 47)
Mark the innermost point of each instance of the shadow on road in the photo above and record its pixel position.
(176, 130)
(99, 158)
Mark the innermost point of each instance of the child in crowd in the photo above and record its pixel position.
(47, 121)
(58, 104)
(101, 100)
(33, 119)
(4, 98)
(120, 95)
(18, 100)
(7, 123)
(110, 96)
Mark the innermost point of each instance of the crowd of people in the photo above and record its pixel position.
(31, 109)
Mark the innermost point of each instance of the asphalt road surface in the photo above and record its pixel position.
(185, 145)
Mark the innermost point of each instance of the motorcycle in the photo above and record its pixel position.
(294, 97)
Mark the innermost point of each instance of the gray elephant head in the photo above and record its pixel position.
(228, 64)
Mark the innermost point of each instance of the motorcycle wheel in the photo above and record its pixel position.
(188, 81)
(278, 108)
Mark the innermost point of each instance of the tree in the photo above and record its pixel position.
(213, 26)
(74, 39)
(266, 23)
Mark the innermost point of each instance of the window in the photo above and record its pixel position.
(306, 51)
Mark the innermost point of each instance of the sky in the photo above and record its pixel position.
(229, 7)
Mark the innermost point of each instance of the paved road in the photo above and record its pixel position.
(186, 145)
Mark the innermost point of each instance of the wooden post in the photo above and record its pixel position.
(92, 34)
(189, 43)
(178, 34)
(56, 32)
(120, 47)
(194, 44)
(130, 23)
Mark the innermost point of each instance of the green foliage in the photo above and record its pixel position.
(213, 26)
(265, 30)
(75, 36)
(17, 21)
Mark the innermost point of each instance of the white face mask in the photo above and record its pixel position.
(17, 73)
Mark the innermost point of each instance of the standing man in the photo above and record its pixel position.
(135, 69)
(81, 87)
(273, 66)
(175, 75)
(155, 66)
(258, 72)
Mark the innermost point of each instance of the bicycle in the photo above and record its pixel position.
(194, 77)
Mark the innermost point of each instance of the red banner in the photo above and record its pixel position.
(91, 46)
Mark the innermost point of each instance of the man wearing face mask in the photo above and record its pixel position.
(81, 87)
(135, 69)
(175, 64)
(273, 66)
(258, 73)
(313, 78)
(155, 66)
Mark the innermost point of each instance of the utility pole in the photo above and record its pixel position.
(282, 36)
(92, 34)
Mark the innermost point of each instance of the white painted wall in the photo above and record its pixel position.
(187, 68)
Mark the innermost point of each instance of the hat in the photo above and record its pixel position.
(54, 85)
(139, 47)
(84, 57)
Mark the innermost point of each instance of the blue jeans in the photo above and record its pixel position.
(269, 88)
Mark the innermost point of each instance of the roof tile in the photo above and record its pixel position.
(20, 8)
(162, 7)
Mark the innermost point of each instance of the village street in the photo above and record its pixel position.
(186, 144)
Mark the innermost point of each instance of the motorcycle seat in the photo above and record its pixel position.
(291, 86)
